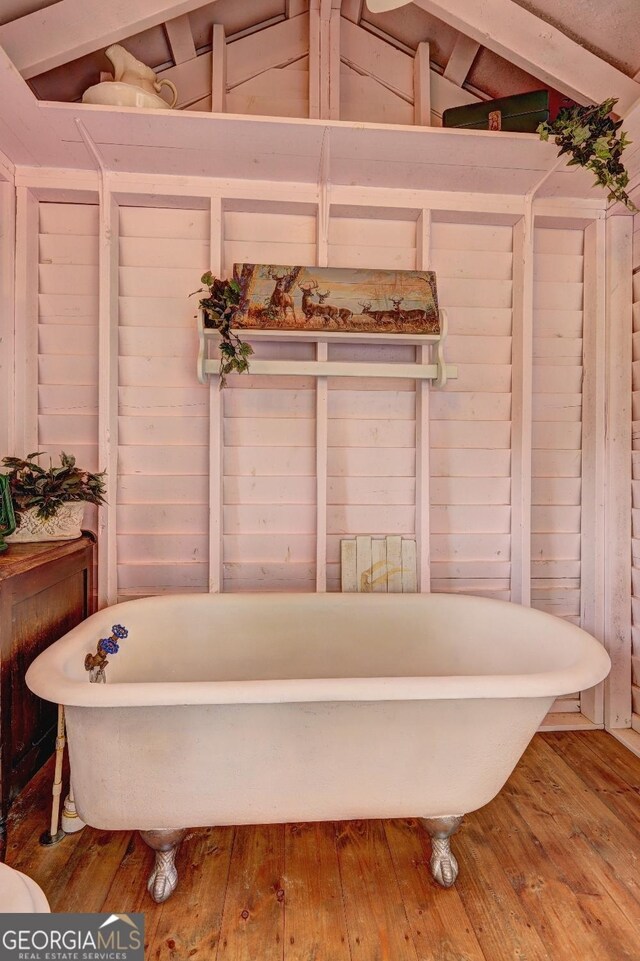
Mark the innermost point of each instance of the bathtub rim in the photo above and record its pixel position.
(47, 678)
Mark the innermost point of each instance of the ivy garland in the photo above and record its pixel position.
(222, 301)
(595, 141)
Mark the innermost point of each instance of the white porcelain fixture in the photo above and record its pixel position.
(123, 95)
(20, 894)
(241, 709)
(134, 84)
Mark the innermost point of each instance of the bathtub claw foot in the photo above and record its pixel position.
(164, 877)
(444, 866)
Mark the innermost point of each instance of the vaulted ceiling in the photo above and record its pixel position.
(609, 30)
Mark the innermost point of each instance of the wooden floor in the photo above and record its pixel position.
(549, 871)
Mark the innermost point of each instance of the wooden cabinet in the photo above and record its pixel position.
(45, 590)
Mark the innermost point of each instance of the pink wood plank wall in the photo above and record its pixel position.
(162, 518)
(557, 422)
(68, 334)
(269, 426)
(471, 419)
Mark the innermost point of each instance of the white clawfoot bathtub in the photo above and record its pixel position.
(241, 709)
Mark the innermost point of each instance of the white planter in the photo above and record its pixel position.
(63, 526)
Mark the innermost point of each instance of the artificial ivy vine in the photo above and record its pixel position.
(223, 300)
(595, 141)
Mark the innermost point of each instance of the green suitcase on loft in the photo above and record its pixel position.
(519, 114)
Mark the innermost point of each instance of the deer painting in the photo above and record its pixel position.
(339, 314)
(378, 315)
(309, 309)
(330, 297)
(281, 300)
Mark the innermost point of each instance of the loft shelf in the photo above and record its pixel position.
(191, 144)
(436, 369)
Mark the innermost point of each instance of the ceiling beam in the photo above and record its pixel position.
(180, 39)
(352, 10)
(246, 58)
(293, 8)
(461, 60)
(7, 170)
(532, 44)
(324, 59)
(218, 68)
(26, 137)
(422, 86)
(72, 28)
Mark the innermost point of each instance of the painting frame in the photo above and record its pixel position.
(356, 300)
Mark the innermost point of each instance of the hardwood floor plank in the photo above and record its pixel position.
(129, 884)
(189, 924)
(314, 920)
(502, 927)
(570, 922)
(611, 752)
(601, 777)
(253, 915)
(376, 918)
(128, 890)
(549, 871)
(607, 855)
(94, 869)
(440, 927)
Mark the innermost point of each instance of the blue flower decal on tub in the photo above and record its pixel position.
(96, 663)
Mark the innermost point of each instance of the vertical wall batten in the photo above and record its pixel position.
(216, 420)
(25, 411)
(322, 437)
(592, 545)
(7, 316)
(423, 439)
(108, 233)
(619, 301)
(322, 390)
(635, 486)
(521, 416)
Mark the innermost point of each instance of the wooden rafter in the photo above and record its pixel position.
(218, 68)
(24, 134)
(532, 44)
(180, 39)
(395, 70)
(276, 46)
(7, 169)
(293, 8)
(71, 28)
(352, 10)
(324, 59)
(422, 86)
(462, 56)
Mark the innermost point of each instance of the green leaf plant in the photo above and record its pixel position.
(594, 140)
(223, 300)
(33, 486)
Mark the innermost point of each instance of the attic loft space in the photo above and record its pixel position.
(320, 92)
